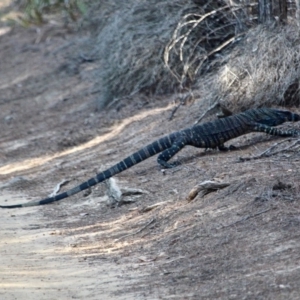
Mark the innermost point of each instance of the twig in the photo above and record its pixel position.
(214, 105)
(136, 232)
(58, 187)
(202, 39)
(183, 100)
(223, 45)
(247, 218)
(181, 39)
(267, 153)
(150, 207)
(174, 110)
(171, 260)
(184, 37)
(206, 187)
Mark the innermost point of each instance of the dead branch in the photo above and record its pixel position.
(209, 30)
(150, 207)
(58, 187)
(223, 45)
(183, 99)
(205, 188)
(268, 153)
(214, 105)
(119, 195)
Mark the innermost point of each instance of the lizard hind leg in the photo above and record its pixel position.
(169, 153)
(223, 148)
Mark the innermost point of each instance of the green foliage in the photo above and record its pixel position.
(36, 9)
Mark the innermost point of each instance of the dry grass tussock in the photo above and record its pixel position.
(159, 47)
(263, 70)
(208, 47)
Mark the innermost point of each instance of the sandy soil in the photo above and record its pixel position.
(241, 242)
(36, 264)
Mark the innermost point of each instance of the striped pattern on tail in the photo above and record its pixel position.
(208, 135)
(137, 157)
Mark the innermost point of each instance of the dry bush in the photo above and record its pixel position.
(200, 37)
(132, 37)
(130, 48)
(162, 47)
(263, 70)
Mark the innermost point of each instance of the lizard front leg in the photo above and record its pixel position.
(170, 152)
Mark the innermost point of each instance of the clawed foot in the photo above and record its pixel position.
(168, 165)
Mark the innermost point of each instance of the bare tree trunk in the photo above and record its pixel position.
(269, 10)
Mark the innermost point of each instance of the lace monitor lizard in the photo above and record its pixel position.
(207, 135)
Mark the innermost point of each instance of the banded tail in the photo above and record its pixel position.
(137, 157)
(208, 135)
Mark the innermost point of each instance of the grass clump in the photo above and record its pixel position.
(262, 70)
(160, 47)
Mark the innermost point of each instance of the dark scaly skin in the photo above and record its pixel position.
(208, 135)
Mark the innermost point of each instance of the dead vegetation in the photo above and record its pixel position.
(200, 36)
(161, 47)
(209, 51)
(263, 70)
(208, 48)
(212, 50)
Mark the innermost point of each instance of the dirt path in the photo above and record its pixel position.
(37, 263)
